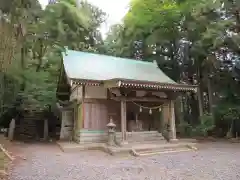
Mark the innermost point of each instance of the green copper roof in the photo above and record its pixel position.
(89, 66)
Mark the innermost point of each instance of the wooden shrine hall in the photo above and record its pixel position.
(136, 95)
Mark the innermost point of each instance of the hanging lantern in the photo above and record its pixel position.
(160, 109)
(150, 111)
(140, 109)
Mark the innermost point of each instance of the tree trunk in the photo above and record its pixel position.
(178, 111)
(200, 100)
(23, 67)
(45, 133)
(7, 45)
(210, 95)
(194, 109)
(200, 92)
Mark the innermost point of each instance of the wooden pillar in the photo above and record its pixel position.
(123, 121)
(45, 131)
(75, 122)
(165, 115)
(83, 104)
(161, 124)
(172, 124)
(165, 119)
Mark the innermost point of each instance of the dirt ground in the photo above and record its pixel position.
(214, 160)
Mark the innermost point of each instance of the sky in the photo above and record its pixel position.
(115, 9)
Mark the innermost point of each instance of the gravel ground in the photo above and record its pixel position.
(46, 162)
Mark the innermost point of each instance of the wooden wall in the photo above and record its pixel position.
(97, 113)
(95, 92)
(91, 92)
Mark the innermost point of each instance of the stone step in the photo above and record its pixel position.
(149, 149)
(140, 133)
(144, 136)
(74, 147)
(162, 149)
(143, 133)
(144, 139)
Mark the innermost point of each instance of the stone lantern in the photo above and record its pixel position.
(169, 132)
(111, 133)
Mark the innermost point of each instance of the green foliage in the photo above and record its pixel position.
(184, 129)
(41, 37)
(206, 125)
(225, 113)
(193, 41)
(75, 27)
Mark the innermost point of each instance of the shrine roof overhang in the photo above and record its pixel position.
(83, 68)
(133, 84)
(86, 82)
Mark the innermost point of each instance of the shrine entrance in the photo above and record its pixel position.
(143, 118)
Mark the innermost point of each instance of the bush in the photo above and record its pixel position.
(206, 125)
(224, 115)
(184, 129)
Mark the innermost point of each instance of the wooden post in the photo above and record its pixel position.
(123, 121)
(83, 103)
(161, 124)
(165, 119)
(45, 135)
(173, 136)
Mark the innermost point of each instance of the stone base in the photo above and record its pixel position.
(147, 149)
(123, 143)
(173, 140)
(84, 136)
(76, 147)
(87, 136)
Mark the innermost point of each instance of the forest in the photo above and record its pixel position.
(193, 41)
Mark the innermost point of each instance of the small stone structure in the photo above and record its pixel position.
(11, 129)
(111, 133)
